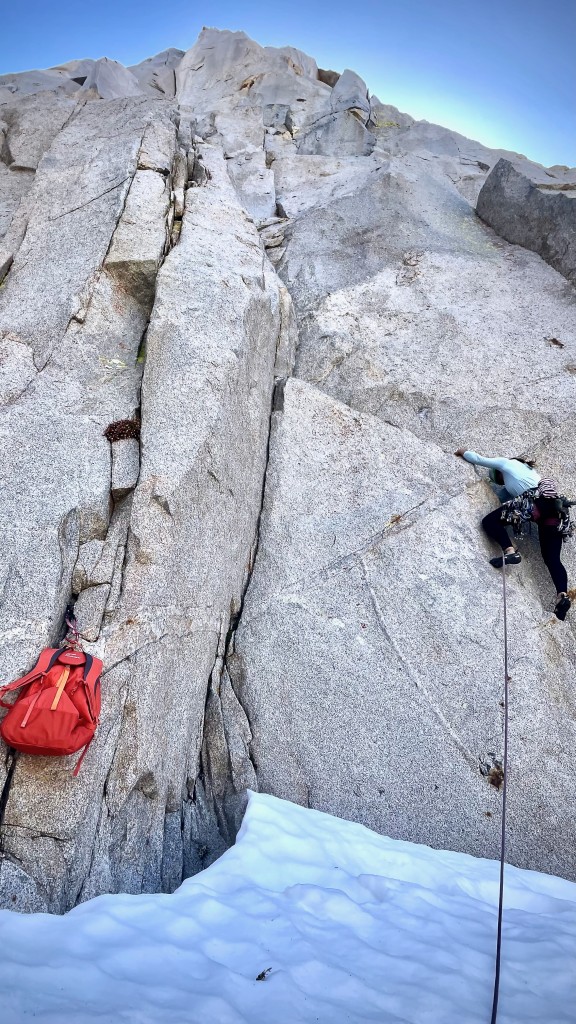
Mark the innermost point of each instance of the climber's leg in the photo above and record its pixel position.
(551, 546)
(494, 527)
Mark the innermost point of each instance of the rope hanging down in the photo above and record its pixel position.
(504, 786)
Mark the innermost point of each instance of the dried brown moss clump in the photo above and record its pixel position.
(121, 430)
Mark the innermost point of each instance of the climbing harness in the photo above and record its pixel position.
(503, 827)
(520, 511)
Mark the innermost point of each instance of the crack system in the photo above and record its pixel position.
(224, 806)
(173, 223)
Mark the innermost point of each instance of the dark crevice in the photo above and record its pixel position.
(141, 355)
(5, 266)
(36, 833)
(276, 407)
(10, 762)
(15, 245)
(5, 153)
(235, 619)
(278, 396)
(123, 567)
(215, 804)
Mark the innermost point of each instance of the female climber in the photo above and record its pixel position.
(518, 476)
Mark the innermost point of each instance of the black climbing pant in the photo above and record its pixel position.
(495, 528)
(550, 546)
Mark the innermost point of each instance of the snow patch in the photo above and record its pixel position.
(308, 918)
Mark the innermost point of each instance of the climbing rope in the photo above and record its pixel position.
(504, 785)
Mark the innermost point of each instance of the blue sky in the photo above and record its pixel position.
(502, 71)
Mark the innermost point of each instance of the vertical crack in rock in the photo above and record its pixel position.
(177, 181)
(139, 276)
(10, 766)
(170, 589)
(225, 771)
(226, 766)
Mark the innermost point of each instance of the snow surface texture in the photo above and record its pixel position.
(340, 924)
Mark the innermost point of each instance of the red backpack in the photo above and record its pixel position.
(57, 711)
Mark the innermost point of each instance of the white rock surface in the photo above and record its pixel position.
(412, 310)
(540, 215)
(340, 134)
(158, 74)
(125, 467)
(55, 466)
(350, 93)
(109, 80)
(227, 69)
(362, 573)
(25, 83)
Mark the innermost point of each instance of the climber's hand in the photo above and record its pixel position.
(460, 452)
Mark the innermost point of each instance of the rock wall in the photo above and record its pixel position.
(539, 214)
(279, 288)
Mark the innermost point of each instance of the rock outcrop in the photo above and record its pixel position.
(248, 313)
(539, 214)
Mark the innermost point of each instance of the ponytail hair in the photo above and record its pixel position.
(527, 462)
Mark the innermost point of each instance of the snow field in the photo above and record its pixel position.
(354, 926)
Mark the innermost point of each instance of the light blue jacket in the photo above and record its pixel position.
(518, 477)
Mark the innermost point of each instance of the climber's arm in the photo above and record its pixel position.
(480, 460)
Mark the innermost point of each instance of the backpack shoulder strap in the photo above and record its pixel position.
(92, 670)
(45, 662)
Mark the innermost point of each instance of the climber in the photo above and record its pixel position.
(515, 477)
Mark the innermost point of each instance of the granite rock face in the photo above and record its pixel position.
(281, 286)
(540, 215)
(158, 74)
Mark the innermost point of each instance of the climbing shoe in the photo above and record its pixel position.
(561, 609)
(511, 559)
